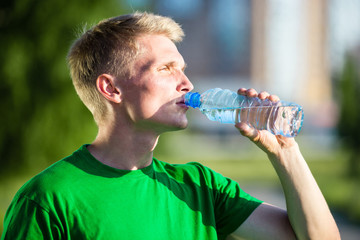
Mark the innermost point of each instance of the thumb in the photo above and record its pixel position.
(247, 131)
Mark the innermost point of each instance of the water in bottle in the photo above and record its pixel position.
(280, 118)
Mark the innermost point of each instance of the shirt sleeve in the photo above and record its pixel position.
(232, 204)
(25, 219)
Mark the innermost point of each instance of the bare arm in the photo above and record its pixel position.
(308, 215)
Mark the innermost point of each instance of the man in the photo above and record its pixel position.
(129, 73)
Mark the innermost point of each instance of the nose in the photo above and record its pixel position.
(185, 84)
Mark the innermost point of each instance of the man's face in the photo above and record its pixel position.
(153, 96)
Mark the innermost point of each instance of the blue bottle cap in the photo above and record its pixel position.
(192, 99)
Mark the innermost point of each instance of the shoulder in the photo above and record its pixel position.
(194, 167)
(56, 179)
(191, 167)
(194, 171)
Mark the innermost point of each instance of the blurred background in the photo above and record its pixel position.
(304, 51)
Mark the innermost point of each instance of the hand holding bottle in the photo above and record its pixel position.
(268, 142)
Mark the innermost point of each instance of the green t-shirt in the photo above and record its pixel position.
(81, 198)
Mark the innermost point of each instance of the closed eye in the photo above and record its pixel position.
(171, 66)
(164, 68)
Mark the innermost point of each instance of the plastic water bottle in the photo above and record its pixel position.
(279, 118)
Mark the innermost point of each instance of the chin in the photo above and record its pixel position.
(179, 125)
(176, 127)
(162, 127)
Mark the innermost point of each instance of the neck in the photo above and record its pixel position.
(125, 148)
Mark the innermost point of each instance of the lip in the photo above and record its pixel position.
(181, 102)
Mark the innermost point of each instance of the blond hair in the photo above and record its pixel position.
(110, 47)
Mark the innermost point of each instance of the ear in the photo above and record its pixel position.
(105, 83)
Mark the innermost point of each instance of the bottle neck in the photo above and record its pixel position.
(192, 99)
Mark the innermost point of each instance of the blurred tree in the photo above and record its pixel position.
(43, 119)
(349, 120)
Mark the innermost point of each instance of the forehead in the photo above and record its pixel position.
(157, 49)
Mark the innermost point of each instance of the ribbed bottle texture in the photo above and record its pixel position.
(222, 105)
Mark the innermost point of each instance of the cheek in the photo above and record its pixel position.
(144, 107)
(149, 106)
(144, 98)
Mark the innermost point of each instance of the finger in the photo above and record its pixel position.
(251, 92)
(242, 91)
(263, 95)
(274, 98)
(247, 131)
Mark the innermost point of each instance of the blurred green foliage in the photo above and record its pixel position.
(43, 119)
(349, 120)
